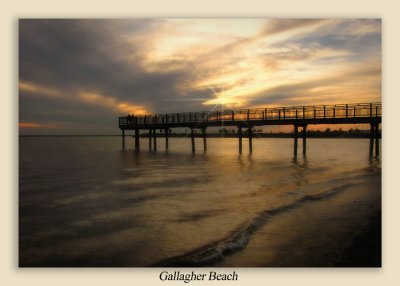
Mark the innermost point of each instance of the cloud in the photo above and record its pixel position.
(110, 102)
(82, 74)
(276, 26)
(361, 84)
(36, 125)
(86, 97)
(38, 89)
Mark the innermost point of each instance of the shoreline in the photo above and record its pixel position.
(342, 230)
(215, 135)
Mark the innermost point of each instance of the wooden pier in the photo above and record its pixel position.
(297, 116)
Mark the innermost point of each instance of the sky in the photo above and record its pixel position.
(76, 76)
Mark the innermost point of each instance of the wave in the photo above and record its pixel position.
(239, 238)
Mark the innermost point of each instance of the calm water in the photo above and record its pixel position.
(83, 201)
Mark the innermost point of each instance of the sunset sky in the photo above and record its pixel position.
(78, 76)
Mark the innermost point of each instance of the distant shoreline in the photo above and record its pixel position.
(230, 135)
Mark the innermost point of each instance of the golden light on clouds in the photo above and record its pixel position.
(238, 60)
(37, 125)
(100, 69)
(87, 97)
(112, 103)
(38, 89)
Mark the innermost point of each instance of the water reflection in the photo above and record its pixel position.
(91, 203)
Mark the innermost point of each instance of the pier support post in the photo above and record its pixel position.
(166, 138)
(377, 139)
(150, 135)
(304, 139)
(192, 138)
(296, 136)
(123, 139)
(137, 144)
(371, 140)
(240, 135)
(155, 139)
(204, 139)
(250, 140)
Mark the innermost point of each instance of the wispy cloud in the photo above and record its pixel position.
(90, 98)
(110, 102)
(78, 69)
(37, 89)
(275, 26)
(37, 125)
(237, 68)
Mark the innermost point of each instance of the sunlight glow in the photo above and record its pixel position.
(110, 102)
(239, 63)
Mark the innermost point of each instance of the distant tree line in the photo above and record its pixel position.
(231, 132)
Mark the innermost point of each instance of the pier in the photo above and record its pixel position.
(247, 119)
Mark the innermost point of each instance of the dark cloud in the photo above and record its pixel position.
(109, 58)
(90, 55)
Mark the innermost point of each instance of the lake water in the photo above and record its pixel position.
(83, 201)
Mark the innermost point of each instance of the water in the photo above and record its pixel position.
(83, 201)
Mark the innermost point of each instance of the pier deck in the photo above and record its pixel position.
(298, 116)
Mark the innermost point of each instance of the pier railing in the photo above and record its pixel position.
(359, 110)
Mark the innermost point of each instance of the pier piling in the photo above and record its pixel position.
(123, 139)
(204, 139)
(250, 140)
(297, 116)
(296, 136)
(240, 135)
(377, 139)
(192, 137)
(155, 139)
(304, 139)
(150, 135)
(137, 138)
(371, 140)
(166, 138)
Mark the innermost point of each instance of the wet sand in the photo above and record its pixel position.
(366, 248)
(343, 230)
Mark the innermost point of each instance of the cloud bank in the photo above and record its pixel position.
(77, 76)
